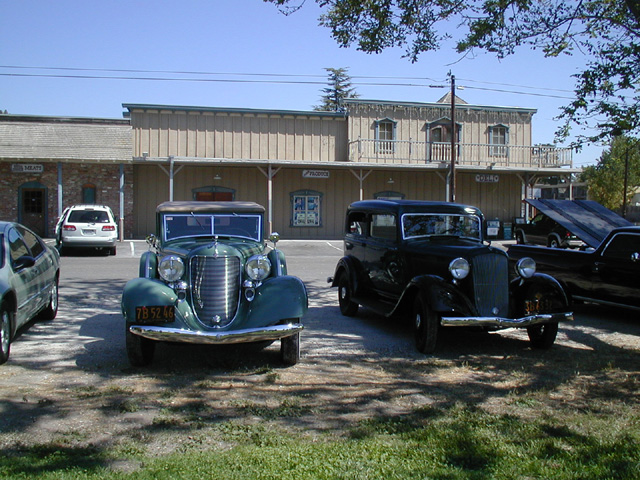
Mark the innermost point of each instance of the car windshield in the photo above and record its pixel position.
(208, 225)
(428, 225)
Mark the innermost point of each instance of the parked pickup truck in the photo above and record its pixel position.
(607, 274)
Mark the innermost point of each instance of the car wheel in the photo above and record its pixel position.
(553, 242)
(51, 310)
(543, 336)
(5, 335)
(140, 350)
(425, 323)
(112, 251)
(290, 349)
(348, 308)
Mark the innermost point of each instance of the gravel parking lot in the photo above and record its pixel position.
(70, 378)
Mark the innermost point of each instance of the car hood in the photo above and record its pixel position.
(209, 247)
(586, 219)
(449, 248)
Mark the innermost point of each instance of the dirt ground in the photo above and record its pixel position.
(68, 382)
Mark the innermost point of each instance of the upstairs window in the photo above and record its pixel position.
(498, 139)
(385, 136)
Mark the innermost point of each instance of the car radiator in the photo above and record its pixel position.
(215, 289)
(491, 284)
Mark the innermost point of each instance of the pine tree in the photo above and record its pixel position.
(339, 88)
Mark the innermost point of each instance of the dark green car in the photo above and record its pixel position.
(209, 278)
(29, 274)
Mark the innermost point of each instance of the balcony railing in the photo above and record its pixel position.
(471, 154)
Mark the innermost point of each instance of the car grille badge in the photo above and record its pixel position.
(216, 319)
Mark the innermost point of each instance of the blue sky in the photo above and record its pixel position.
(122, 38)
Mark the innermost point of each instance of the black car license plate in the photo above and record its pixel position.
(162, 313)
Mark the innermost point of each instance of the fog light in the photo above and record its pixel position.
(250, 294)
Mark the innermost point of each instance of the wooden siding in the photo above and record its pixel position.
(412, 124)
(412, 121)
(500, 199)
(245, 136)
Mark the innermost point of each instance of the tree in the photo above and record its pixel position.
(339, 88)
(606, 180)
(607, 92)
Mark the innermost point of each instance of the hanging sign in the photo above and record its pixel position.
(27, 168)
(315, 174)
(487, 178)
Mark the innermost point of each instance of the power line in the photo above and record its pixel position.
(270, 78)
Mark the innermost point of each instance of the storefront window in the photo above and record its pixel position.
(306, 208)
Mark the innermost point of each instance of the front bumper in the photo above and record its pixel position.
(501, 322)
(167, 334)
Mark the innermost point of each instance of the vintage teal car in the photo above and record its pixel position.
(209, 278)
(29, 275)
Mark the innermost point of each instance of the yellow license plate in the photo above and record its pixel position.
(163, 313)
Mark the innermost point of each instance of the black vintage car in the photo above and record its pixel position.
(428, 261)
(607, 274)
(542, 230)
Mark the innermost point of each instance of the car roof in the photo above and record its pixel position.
(209, 207)
(415, 206)
(89, 207)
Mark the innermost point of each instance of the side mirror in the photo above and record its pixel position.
(25, 261)
(152, 240)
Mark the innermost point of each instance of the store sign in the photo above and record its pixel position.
(27, 168)
(487, 178)
(315, 174)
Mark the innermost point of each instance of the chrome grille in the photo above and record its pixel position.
(491, 284)
(215, 289)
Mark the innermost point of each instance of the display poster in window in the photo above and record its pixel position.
(306, 210)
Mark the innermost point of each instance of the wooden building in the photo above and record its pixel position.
(306, 167)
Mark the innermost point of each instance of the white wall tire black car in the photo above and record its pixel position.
(543, 336)
(348, 308)
(425, 323)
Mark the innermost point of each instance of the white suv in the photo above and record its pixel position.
(87, 226)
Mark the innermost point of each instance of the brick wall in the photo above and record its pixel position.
(105, 177)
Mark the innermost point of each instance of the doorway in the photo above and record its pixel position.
(32, 208)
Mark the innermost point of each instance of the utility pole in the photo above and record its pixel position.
(452, 176)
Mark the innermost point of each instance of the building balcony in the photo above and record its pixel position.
(395, 152)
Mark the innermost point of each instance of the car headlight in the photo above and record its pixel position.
(459, 268)
(258, 267)
(171, 268)
(526, 267)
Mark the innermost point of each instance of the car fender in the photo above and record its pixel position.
(441, 295)
(276, 257)
(277, 299)
(143, 292)
(350, 266)
(519, 288)
(148, 265)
